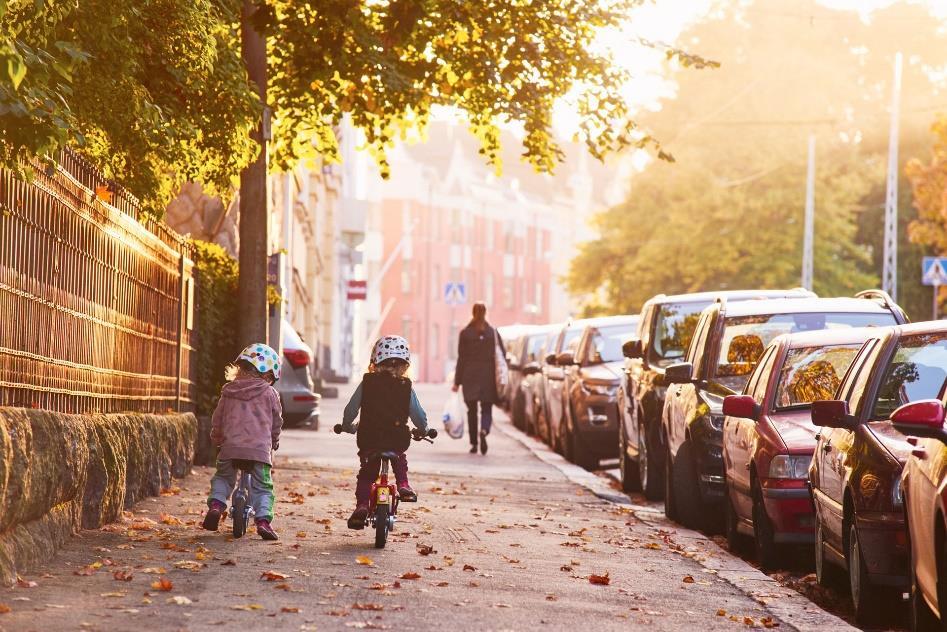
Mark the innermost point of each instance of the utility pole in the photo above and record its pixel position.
(809, 226)
(889, 274)
(254, 219)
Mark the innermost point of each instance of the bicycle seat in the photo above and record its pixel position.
(391, 456)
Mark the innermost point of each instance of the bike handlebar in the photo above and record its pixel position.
(415, 434)
(337, 428)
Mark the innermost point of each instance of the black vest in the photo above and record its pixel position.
(383, 420)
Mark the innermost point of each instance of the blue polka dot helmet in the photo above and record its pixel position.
(263, 358)
(389, 347)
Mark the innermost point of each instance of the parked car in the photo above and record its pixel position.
(924, 492)
(664, 332)
(554, 381)
(726, 347)
(509, 334)
(856, 470)
(534, 386)
(525, 359)
(295, 387)
(768, 438)
(589, 427)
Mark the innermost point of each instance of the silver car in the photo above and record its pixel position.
(295, 387)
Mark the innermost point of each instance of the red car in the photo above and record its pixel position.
(768, 438)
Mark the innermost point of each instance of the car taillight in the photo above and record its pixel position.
(297, 357)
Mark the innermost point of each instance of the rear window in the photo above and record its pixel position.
(606, 342)
(673, 329)
(534, 347)
(811, 373)
(745, 337)
(917, 370)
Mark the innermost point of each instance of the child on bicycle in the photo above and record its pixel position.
(246, 427)
(384, 401)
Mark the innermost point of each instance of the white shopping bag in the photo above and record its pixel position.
(454, 416)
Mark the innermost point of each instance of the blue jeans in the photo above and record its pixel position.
(486, 419)
(261, 487)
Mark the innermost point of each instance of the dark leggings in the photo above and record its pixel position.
(486, 418)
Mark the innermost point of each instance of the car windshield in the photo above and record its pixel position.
(570, 339)
(606, 342)
(673, 330)
(917, 370)
(745, 337)
(811, 373)
(534, 347)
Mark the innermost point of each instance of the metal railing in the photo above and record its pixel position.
(96, 301)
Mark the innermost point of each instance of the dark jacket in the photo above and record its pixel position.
(383, 420)
(476, 368)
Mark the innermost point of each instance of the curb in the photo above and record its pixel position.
(787, 605)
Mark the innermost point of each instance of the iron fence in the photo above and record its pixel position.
(96, 301)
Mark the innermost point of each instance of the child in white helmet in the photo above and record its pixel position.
(384, 401)
(246, 427)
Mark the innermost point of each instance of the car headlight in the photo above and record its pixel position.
(600, 389)
(716, 421)
(786, 466)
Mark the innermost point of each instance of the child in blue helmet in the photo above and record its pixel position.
(246, 427)
(384, 401)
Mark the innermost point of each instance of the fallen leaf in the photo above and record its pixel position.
(411, 576)
(441, 584)
(273, 576)
(301, 534)
(248, 607)
(748, 621)
(367, 606)
(85, 570)
(180, 600)
(364, 560)
(189, 565)
(425, 549)
(600, 580)
(688, 579)
(168, 519)
(768, 622)
(289, 609)
(154, 570)
(228, 563)
(551, 598)
(4, 609)
(22, 583)
(567, 569)
(112, 594)
(721, 613)
(286, 587)
(502, 605)
(163, 584)
(468, 567)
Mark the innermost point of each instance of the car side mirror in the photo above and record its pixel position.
(551, 359)
(923, 418)
(532, 368)
(512, 363)
(632, 349)
(741, 406)
(565, 359)
(832, 413)
(680, 373)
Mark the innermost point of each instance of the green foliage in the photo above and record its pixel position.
(387, 64)
(217, 314)
(928, 179)
(152, 91)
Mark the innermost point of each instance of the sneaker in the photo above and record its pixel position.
(473, 448)
(406, 494)
(265, 530)
(213, 515)
(358, 518)
(483, 442)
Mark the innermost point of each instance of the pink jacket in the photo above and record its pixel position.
(247, 421)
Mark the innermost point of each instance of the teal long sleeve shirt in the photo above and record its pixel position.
(415, 412)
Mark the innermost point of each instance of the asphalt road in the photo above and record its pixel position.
(507, 541)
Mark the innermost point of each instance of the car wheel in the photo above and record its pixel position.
(736, 541)
(564, 446)
(629, 471)
(580, 453)
(767, 553)
(649, 470)
(688, 506)
(826, 574)
(865, 595)
(923, 618)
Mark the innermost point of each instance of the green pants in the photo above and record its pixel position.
(261, 487)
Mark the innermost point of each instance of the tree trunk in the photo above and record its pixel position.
(254, 216)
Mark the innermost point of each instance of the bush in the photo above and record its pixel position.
(216, 275)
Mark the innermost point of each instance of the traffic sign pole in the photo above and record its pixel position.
(936, 293)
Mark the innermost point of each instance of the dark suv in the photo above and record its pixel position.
(726, 347)
(590, 417)
(664, 332)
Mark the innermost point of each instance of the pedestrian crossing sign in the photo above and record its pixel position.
(934, 271)
(455, 293)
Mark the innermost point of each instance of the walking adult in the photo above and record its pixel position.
(477, 347)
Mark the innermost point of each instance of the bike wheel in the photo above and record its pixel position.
(238, 514)
(381, 526)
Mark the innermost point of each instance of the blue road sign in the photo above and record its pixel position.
(455, 293)
(934, 271)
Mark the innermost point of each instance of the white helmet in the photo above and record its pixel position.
(262, 357)
(388, 347)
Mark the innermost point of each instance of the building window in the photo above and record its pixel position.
(508, 291)
(488, 288)
(405, 280)
(406, 328)
(435, 340)
(437, 288)
(452, 342)
(539, 296)
(489, 242)
(508, 237)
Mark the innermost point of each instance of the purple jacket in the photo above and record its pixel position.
(247, 421)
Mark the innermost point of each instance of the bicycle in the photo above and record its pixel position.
(384, 501)
(240, 507)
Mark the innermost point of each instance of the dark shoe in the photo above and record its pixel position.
(483, 442)
(407, 495)
(265, 530)
(358, 518)
(213, 515)
(473, 448)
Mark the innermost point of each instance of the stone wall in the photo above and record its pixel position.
(61, 473)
